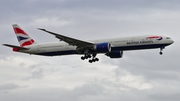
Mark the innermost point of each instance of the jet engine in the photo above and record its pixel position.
(115, 54)
(102, 48)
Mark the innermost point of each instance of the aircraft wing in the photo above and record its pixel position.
(18, 47)
(69, 40)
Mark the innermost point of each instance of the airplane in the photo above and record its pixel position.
(112, 48)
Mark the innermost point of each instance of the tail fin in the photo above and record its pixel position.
(22, 36)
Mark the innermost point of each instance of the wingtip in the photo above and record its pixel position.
(4, 44)
(41, 29)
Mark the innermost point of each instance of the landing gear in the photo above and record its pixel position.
(94, 59)
(85, 57)
(161, 49)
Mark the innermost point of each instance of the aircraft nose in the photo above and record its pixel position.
(172, 41)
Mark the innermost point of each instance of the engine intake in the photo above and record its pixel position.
(115, 54)
(102, 47)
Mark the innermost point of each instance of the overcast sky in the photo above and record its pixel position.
(141, 75)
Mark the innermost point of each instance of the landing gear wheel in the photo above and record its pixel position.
(160, 53)
(96, 59)
(90, 61)
(82, 58)
(86, 57)
(89, 56)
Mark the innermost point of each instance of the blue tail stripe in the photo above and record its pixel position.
(20, 38)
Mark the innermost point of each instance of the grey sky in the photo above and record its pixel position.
(140, 75)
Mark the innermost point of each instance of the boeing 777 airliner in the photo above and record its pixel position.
(112, 48)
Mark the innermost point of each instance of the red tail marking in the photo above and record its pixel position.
(15, 49)
(18, 30)
(30, 42)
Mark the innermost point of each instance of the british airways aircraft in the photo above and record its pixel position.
(112, 48)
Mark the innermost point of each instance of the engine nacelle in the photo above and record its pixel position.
(102, 48)
(115, 54)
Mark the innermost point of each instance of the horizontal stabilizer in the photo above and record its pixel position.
(13, 46)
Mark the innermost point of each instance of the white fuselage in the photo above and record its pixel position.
(117, 44)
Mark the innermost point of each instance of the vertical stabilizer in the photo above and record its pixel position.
(23, 38)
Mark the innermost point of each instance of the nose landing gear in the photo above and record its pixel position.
(161, 49)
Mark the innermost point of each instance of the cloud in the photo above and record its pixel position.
(53, 22)
(166, 96)
(9, 86)
(36, 75)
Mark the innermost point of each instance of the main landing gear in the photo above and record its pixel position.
(161, 49)
(93, 56)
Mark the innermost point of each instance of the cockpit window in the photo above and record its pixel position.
(168, 38)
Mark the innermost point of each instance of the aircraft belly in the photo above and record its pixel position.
(57, 51)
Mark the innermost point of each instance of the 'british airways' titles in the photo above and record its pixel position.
(139, 42)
